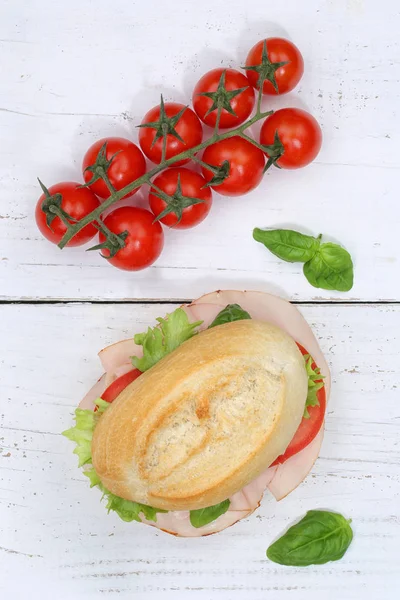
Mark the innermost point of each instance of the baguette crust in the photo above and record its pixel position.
(205, 420)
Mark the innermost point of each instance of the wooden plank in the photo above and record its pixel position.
(65, 87)
(56, 538)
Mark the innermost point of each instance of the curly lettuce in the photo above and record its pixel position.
(162, 339)
(82, 434)
(315, 383)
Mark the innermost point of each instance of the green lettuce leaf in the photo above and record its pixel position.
(162, 339)
(81, 434)
(315, 383)
(128, 510)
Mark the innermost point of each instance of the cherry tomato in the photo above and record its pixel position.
(246, 165)
(76, 202)
(182, 214)
(188, 128)
(308, 428)
(278, 50)
(127, 165)
(144, 242)
(241, 104)
(118, 386)
(299, 133)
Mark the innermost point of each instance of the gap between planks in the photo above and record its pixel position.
(55, 302)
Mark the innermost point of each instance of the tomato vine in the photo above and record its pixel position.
(170, 135)
(100, 168)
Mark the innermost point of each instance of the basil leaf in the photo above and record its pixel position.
(287, 244)
(231, 312)
(321, 536)
(327, 266)
(203, 516)
(330, 269)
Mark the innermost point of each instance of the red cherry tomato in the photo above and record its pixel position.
(76, 202)
(191, 186)
(246, 165)
(241, 104)
(299, 133)
(308, 428)
(188, 128)
(117, 386)
(127, 165)
(144, 242)
(278, 50)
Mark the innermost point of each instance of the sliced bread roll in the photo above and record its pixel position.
(205, 420)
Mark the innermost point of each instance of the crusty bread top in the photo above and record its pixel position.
(205, 420)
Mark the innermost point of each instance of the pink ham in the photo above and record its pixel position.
(178, 523)
(203, 312)
(95, 392)
(118, 372)
(292, 472)
(115, 355)
(250, 496)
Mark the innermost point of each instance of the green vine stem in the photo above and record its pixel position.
(95, 215)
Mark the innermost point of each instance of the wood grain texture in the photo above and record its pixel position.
(56, 539)
(92, 69)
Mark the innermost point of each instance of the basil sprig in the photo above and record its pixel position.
(231, 312)
(321, 536)
(203, 516)
(326, 265)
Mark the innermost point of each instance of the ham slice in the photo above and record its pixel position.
(202, 312)
(95, 392)
(250, 496)
(280, 480)
(178, 523)
(115, 355)
(292, 472)
(118, 372)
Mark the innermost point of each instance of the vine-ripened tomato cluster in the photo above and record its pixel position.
(229, 161)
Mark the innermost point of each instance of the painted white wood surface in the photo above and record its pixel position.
(57, 540)
(74, 71)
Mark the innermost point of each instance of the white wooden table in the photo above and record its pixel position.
(75, 71)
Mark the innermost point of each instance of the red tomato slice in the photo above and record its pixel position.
(119, 385)
(308, 428)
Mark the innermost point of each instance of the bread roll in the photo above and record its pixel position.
(205, 420)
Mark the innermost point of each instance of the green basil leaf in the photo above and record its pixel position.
(231, 312)
(330, 269)
(287, 244)
(321, 536)
(203, 516)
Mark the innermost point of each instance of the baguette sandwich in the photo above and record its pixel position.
(193, 420)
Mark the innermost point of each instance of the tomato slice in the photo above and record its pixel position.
(119, 385)
(308, 428)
